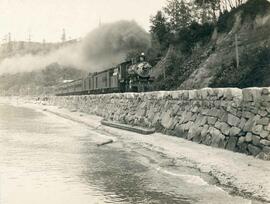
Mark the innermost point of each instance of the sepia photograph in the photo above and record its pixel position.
(134, 101)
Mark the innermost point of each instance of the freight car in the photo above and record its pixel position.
(129, 76)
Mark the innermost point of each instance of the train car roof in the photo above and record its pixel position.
(95, 73)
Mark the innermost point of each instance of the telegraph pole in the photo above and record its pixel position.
(9, 37)
(164, 73)
(29, 36)
(99, 23)
(63, 36)
(236, 50)
(9, 42)
(43, 43)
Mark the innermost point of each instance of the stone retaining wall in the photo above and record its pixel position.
(233, 119)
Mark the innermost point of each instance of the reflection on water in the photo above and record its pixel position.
(124, 180)
(45, 159)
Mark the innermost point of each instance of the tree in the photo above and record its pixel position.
(227, 5)
(214, 8)
(179, 14)
(209, 8)
(159, 29)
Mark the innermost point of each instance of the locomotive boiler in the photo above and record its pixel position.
(129, 76)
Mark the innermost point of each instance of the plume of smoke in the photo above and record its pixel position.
(102, 48)
(110, 43)
(29, 62)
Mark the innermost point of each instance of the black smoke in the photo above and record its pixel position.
(110, 43)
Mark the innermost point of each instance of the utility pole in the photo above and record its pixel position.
(99, 22)
(9, 37)
(29, 36)
(63, 36)
(164, 74)
(236, 50)
(43, 43)
(9, 42)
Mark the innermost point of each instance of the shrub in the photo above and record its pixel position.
(249, 11)
(190, 36)
(225, 22)
(254, 7)
(253, 71)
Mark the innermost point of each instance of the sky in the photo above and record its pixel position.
(45, 19)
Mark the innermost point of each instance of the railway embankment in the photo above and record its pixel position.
(233, 119)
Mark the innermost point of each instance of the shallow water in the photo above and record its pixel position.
(47, 159)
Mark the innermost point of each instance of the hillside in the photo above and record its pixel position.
(212, 60)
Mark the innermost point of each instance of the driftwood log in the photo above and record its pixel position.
(105, 143)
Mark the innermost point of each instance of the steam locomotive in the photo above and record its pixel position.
(129, 76)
